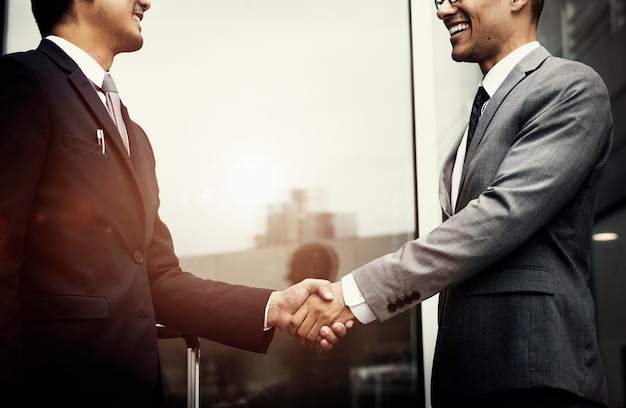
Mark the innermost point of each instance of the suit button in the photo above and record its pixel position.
(400, 303)
(391, 307)
(138, 257)
(408, 300)
(416, 296)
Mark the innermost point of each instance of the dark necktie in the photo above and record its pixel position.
(481, 97)
(114, 106)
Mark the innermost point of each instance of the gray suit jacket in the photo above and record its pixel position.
(513, 263)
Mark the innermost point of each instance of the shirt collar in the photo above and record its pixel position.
(498, 73)
(90, 67)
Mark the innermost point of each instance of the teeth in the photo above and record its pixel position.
(457, 28)
(136, 18)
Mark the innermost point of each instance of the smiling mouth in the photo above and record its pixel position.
(457, 28)
(137, 18)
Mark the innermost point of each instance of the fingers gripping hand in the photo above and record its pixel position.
(283, 304)
(331, 335)
(305, 319)
(307, 322)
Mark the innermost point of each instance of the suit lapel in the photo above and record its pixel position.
(139, 149)
(87, 92)
(445, 181)
(524, 68)
(93, 103)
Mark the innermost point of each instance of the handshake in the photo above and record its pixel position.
(313, 311)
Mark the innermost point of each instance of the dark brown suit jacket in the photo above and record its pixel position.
(87, 267)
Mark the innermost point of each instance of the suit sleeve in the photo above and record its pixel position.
(229, 314)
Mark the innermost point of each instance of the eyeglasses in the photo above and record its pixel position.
(439, 3)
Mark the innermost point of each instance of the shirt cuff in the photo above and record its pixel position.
(267, 307)
(353, 298)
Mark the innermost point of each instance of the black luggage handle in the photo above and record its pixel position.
(193, 361)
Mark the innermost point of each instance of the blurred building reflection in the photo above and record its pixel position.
(304, 219)
(383, 362)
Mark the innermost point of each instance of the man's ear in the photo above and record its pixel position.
(518, 5)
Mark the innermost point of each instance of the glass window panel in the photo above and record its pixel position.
(275, 123)
(609, 281)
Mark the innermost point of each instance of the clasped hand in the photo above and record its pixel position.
(313, 311)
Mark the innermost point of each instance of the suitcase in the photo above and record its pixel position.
(193, 362)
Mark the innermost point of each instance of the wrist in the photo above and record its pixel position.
(271, 311)
(354, 300)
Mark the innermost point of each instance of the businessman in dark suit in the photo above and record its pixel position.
(87, 267)
(511, 259)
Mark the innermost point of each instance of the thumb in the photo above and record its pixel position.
(322, 287)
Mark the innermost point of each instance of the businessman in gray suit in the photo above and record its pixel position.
(511, 260)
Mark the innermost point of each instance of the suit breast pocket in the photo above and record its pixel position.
(93, 147)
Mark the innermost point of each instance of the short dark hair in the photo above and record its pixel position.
(49, 13)
(536, 9)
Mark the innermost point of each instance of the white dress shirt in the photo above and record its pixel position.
(90, 67)
(353, 298)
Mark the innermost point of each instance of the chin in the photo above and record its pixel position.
(135, 45)
(458, 57)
